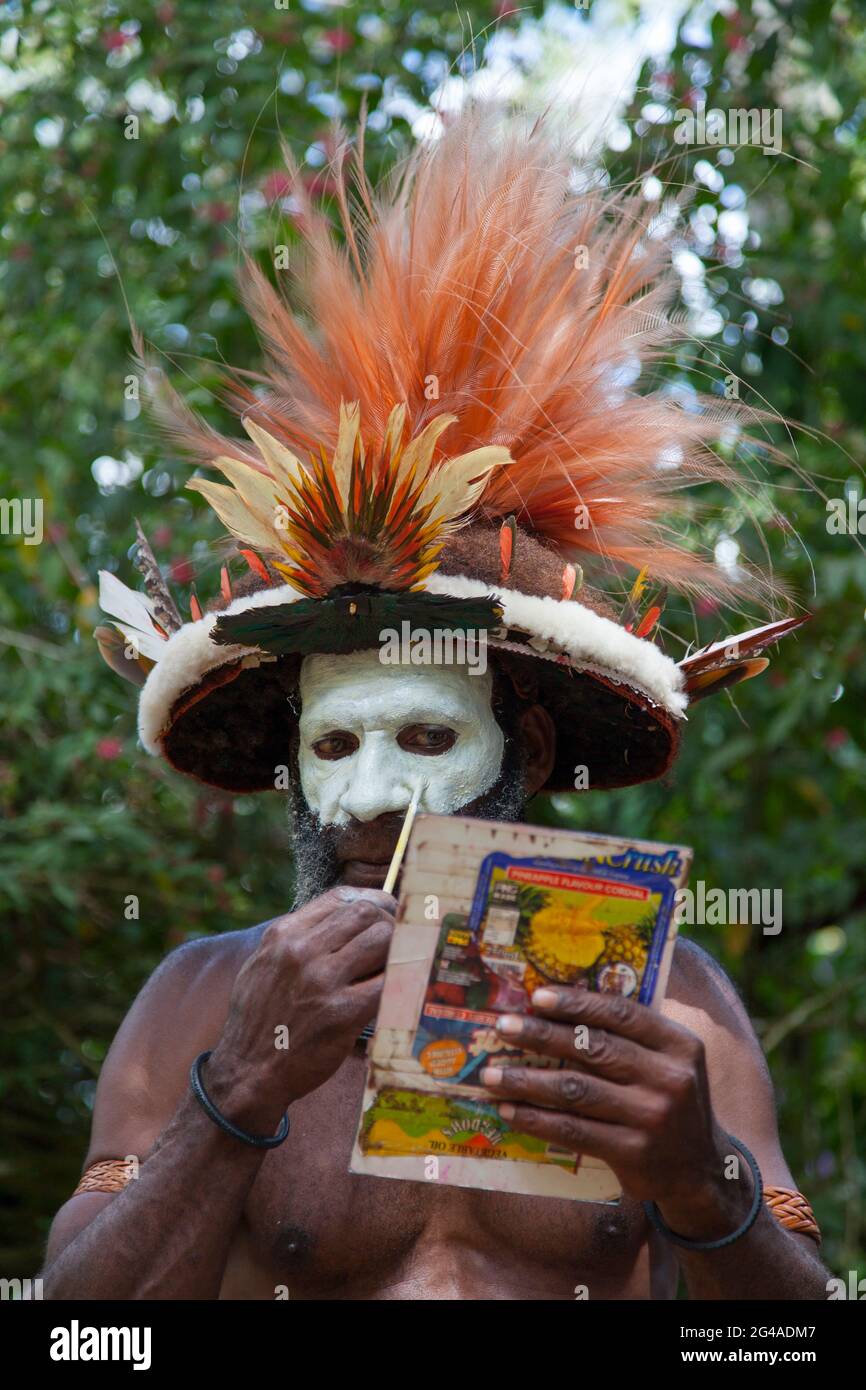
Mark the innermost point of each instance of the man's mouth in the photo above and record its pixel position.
(365, 851)
(364, 873)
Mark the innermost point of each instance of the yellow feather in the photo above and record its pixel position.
(638, 586)
(451, 488)
(350, 422)
(418, 453)
(394, 430)
(258, 491)
(234, 515)
(283, 464)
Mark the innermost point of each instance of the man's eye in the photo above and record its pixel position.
(426, 738)
(335, 745)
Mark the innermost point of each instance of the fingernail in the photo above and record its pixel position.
(491, 1076)
(544, 998)
(510, 1023)
(506, 1110)
(350, 895)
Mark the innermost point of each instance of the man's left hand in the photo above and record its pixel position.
(633, 1092)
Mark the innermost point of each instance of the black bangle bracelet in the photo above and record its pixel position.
(655, 1218)
(258, 1141)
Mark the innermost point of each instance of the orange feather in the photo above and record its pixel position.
(648, 621)
(506, 548)
(256, 565)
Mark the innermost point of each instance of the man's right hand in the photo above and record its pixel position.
(317, 973)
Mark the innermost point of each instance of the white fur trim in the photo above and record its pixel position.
(188, 656)
(591, 643)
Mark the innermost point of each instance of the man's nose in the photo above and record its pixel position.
(378, 786)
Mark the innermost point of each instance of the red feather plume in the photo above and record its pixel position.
(480, 271)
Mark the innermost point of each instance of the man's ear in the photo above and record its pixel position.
(538, 741)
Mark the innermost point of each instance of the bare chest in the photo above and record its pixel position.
(314, 1230)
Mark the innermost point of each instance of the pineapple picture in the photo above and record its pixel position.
(571, 937)
(626, 946)
(560, 944)
(629, 945)
(567, 944)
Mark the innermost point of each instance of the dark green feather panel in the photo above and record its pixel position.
(351, 622)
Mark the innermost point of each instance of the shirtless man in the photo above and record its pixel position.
(457, 389)
(210, 1217)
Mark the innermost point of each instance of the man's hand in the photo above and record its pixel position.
(317, 973)
(633, 1093)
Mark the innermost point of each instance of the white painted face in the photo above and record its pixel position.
(369, 732)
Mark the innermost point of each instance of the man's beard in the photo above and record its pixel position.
(315, 846)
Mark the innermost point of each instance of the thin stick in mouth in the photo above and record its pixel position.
(400, 847)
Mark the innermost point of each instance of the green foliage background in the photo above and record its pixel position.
(770, 788)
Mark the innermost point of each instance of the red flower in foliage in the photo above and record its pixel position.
(735, 40)
(216, 212)
(113, 38)
(276, 185)
(108, 749)
(706, 607)
(320, 184)
(181, 571)
(835, 738)
(338, 40)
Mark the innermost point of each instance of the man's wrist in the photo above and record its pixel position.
(239, 1092)
(715, 1208)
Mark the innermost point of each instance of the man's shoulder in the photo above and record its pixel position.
(702, 996)
(178, 1013)
(696, 976)
(194, 981)
(206, 961)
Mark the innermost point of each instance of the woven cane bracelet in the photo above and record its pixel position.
(792, 1211)
(258, 1141)
(108, 1175)
(654, 1216)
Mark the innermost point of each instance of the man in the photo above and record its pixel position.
(218, 1163)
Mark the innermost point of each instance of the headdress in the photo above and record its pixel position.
(449, 431)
